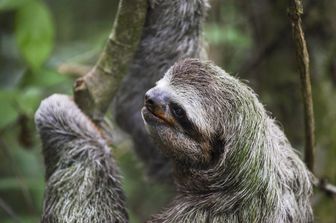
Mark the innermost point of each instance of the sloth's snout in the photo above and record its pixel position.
(157, 104)
(156, 101)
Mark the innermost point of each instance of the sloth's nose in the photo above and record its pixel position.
(156, 101)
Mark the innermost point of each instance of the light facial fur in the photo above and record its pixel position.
(234, 164)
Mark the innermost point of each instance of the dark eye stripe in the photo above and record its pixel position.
(188, 126)
(177, 111)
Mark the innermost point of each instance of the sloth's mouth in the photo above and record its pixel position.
(154, 117)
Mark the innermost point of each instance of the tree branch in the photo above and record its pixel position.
(295, 12)
(327, 188)
(94, 92)
(73, 70)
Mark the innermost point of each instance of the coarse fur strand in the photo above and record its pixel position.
(255, 175)
(83, 184)
(172, 31)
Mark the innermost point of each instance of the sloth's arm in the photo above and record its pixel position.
(82, 180)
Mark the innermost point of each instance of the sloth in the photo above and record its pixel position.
(232, 162)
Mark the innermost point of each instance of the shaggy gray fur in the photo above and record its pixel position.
(173, 31)
(232, 165)
(83, 184)
(235, 166)
(241, 167)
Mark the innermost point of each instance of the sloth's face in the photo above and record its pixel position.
(171, 127)
(180, 115)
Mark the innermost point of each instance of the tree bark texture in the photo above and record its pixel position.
(94, 92)
(295, 12)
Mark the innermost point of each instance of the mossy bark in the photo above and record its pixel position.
(94, 92)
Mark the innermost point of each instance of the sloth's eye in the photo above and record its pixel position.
(177, 111)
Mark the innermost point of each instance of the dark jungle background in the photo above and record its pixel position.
(40, 40)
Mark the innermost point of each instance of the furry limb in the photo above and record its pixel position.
(82, 179)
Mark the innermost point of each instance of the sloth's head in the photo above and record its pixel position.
(196, 110)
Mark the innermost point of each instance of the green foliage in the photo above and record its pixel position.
(34, 33)
(11, 4)
(29, 99)
(42, 78)
(228, 35)
(26, 99)
(27, 77)
(8, 112)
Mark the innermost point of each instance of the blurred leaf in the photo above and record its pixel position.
(29, 99)
(227, 35)
(8, 112)
(49, 77)
(15, 183)
(25, 219)
(34, 33)
(42, 78)
(11, 4)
